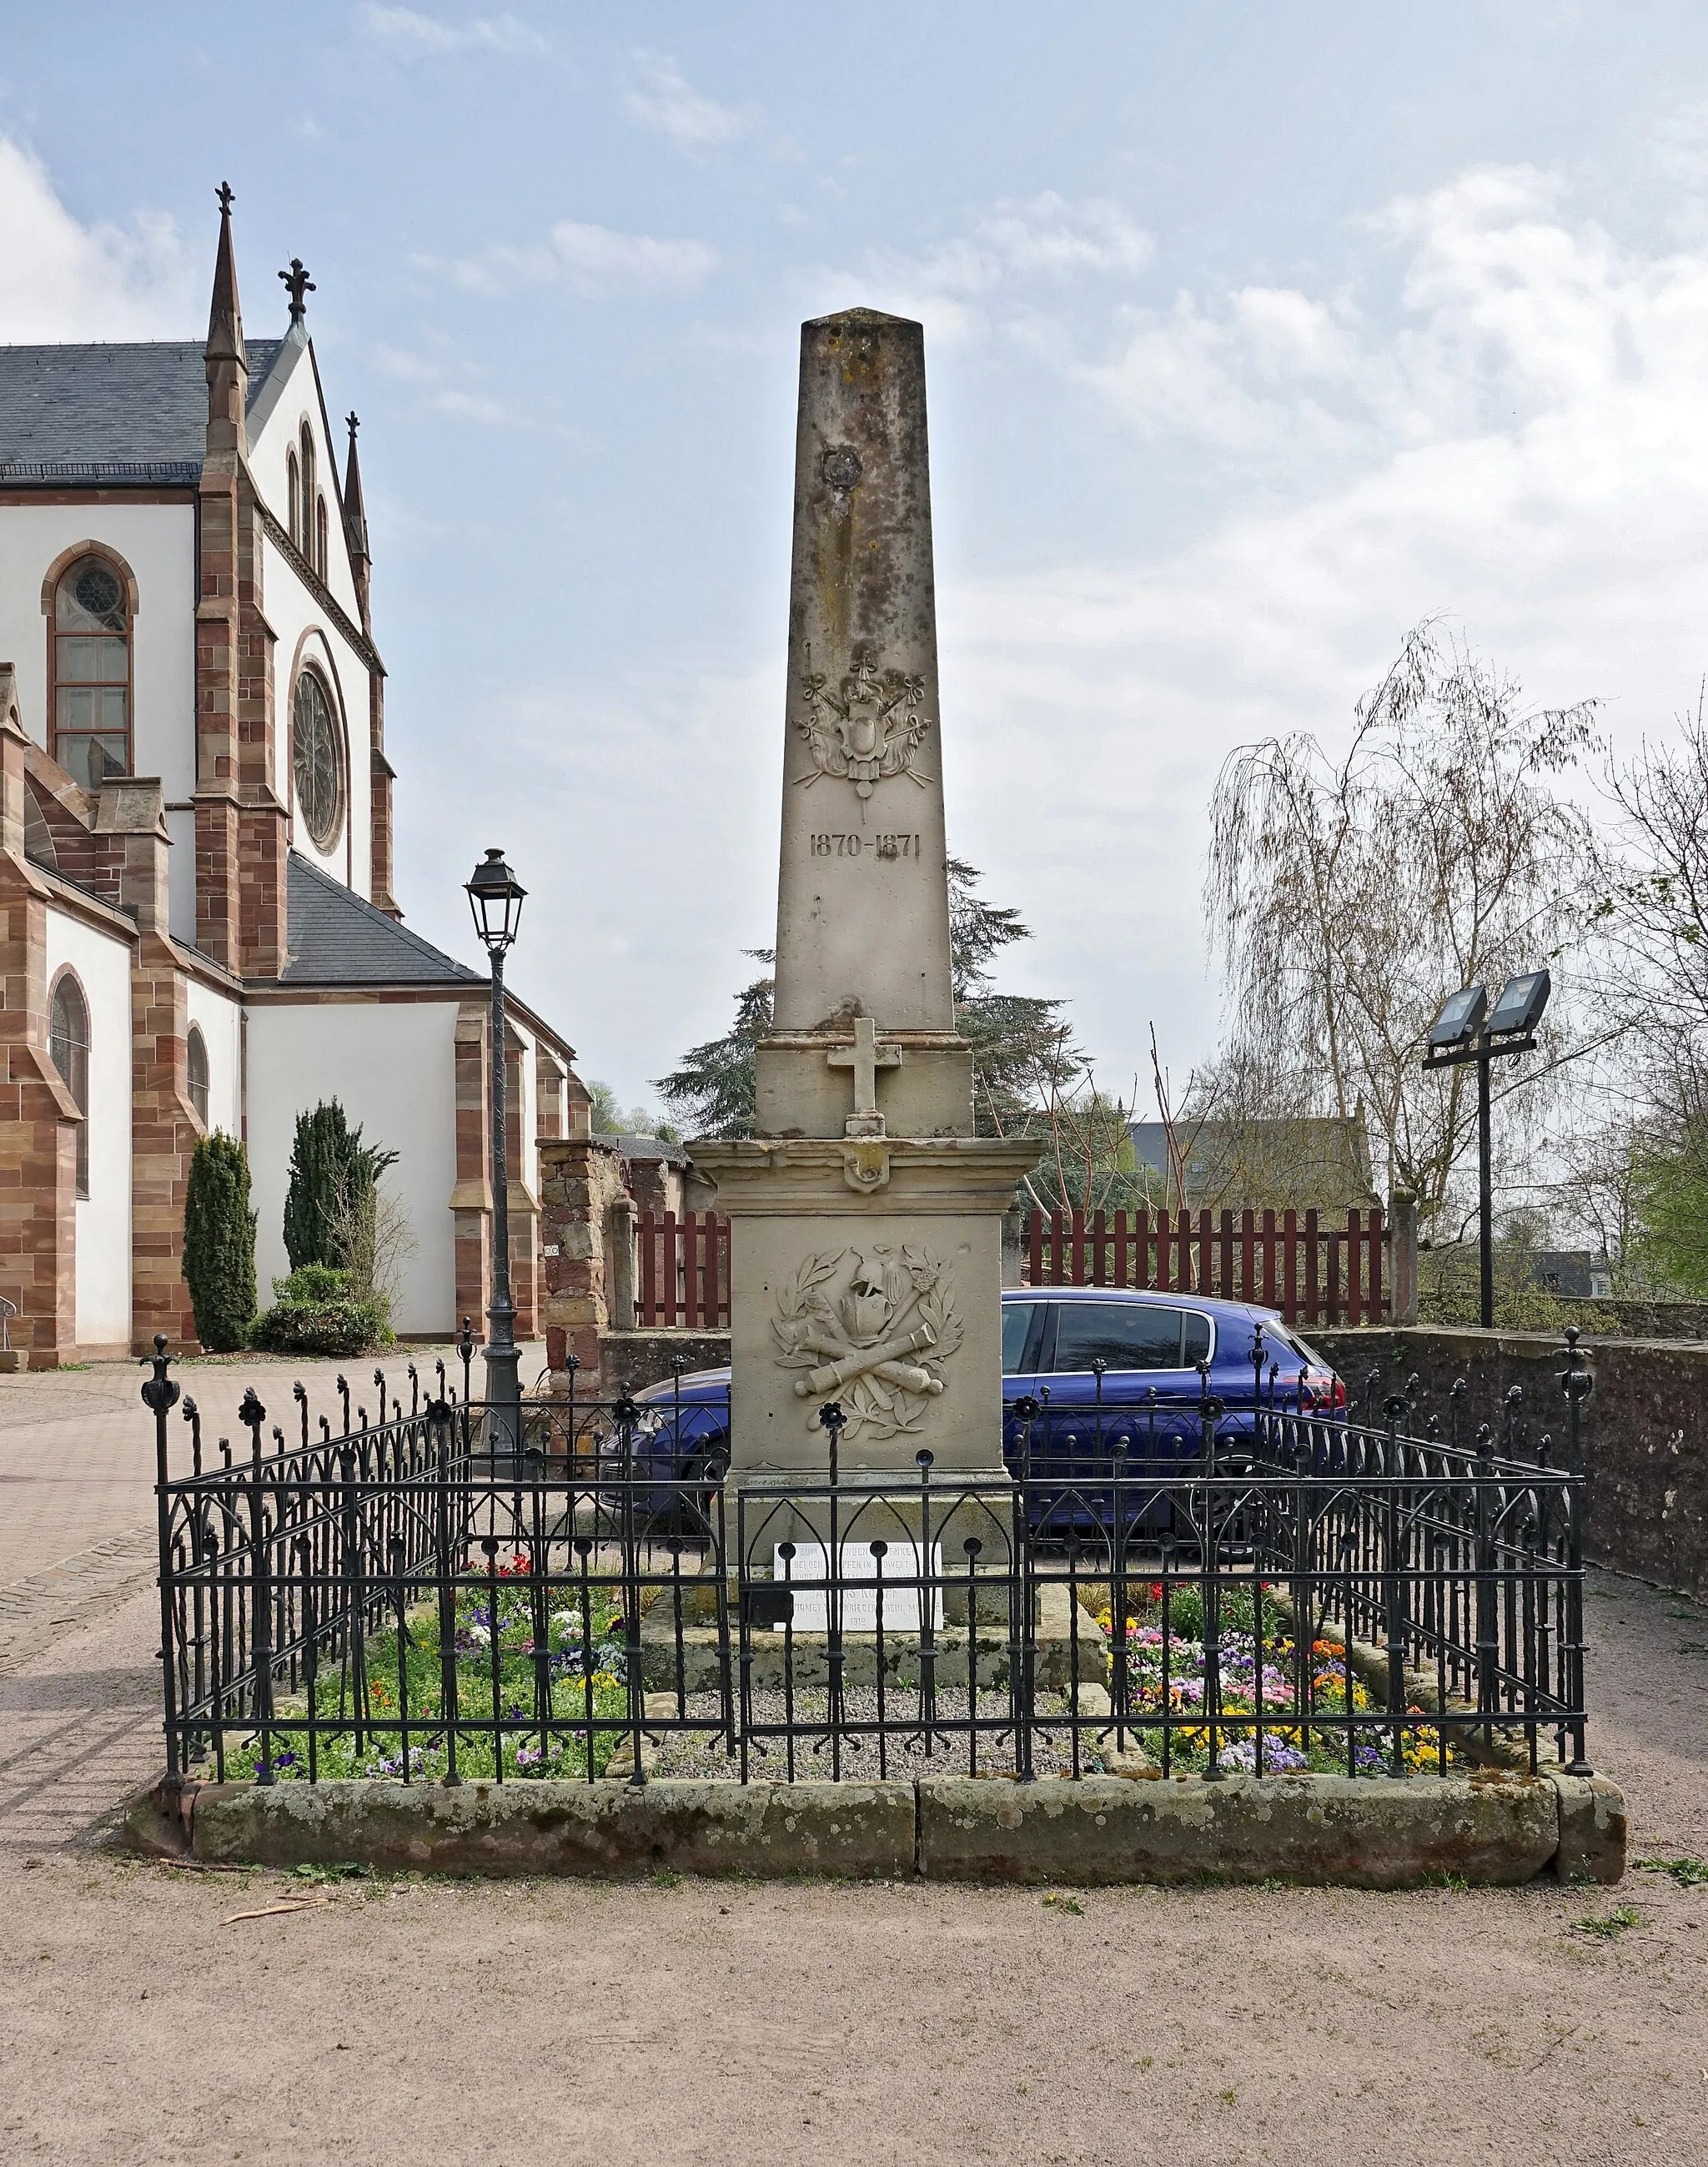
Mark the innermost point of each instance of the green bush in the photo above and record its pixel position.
(314, 1312)
(220, 1244)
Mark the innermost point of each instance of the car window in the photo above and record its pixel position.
(1017, 1326)
(1122, 1335)
(1196, 1343)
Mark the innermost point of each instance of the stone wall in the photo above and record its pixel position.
(630, 1361)
(1646, 1449)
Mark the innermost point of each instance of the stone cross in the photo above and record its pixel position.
(865, 1056)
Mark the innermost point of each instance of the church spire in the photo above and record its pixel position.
(225, 317)
(224, 356)
(356, 521)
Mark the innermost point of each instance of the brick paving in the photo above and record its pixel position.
(78, 1470)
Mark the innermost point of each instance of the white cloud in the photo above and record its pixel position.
(1016, 258)
(665, 103)
(594, 260)
(417, 36)
(65, 280)
(1515, 435)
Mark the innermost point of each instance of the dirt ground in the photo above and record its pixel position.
(142, 2020)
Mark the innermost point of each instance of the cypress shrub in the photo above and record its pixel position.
(331, 1171)
(220, 1243)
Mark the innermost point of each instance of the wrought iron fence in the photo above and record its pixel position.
(1287, 1590)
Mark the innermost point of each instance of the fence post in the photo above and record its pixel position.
(1402, 1224)
(1578, 1384)
(1487, 1615)
(622, 1260)
(160, 1395)
(1393, 1591)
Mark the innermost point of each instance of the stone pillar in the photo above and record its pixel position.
(866, 1258)
(580, 1180)
(1402, 1222)
(620, 1264)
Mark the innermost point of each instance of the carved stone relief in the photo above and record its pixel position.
(868, 730)
(871, 1328)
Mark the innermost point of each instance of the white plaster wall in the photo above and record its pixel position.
(158, 542)
(528, 1113)
(181, 875)
(219, 1018)
(393, 1068)
(101, 962)
(295, 401)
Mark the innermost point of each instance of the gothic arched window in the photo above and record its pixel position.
(305, 530)
(317, 768)
(68, 1042)
(321, 559)
(293, 499)
(91, 672)
(196, 1062)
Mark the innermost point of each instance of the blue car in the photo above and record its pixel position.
(1089, 1374)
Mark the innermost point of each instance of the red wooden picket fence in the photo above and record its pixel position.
(1312, 1271)
(683, 1275)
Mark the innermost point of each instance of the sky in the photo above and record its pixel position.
(1255, 334)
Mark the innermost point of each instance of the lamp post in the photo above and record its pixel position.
(1467, 1029)
(495, 898)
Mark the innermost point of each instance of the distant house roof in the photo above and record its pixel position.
(645, 1147)
(334, 938)
(116, 415)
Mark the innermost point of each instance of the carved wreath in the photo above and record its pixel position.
(878, 1345)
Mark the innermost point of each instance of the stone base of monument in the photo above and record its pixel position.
(1067, 1642)
(1367, 1832)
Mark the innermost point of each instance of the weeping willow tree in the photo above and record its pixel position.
(1347, 897)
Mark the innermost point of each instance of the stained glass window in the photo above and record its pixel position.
(92, 673)
(315, 766)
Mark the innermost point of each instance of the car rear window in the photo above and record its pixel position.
(1195, 1345)
(1017, 1323)
(1121, 1335)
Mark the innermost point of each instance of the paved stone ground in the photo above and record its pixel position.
(709, 2023)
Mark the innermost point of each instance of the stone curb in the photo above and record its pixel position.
(1365, 1833)
(851, 1830)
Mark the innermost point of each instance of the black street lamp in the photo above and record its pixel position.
(1468, 1030)
(495, 896)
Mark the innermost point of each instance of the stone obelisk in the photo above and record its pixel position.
(866, 1255)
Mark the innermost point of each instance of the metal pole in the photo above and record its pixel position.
(503, 1425)
(1485, 1191)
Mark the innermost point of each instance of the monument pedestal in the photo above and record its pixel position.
(866, 1271)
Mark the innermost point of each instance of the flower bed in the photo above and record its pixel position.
(533, 1699)
(1271, 1707)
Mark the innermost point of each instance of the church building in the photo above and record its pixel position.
(198, 928)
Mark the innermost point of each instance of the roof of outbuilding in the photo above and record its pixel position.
(124, 414)
(334, 938)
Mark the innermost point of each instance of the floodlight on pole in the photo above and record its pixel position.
(1467, 1029)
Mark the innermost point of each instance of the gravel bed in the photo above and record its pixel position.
(701, 1755)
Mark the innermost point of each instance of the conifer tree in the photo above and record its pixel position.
(330, 1170)
(220, 1243)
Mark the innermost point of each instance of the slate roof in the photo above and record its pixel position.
(334, 938)
(110, 414)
